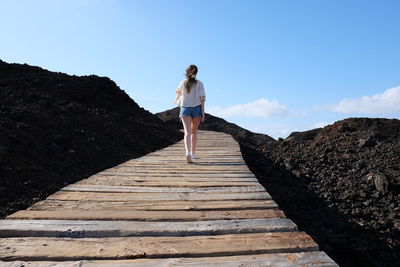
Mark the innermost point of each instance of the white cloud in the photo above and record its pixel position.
(273, 130)
(388, 101)
(261, 108)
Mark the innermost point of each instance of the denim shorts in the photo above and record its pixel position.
(194, 112)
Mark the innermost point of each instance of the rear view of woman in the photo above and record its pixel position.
(191, 97)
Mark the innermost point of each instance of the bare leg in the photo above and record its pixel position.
(195, 125)
(187, 121)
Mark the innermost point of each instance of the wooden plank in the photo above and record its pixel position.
(212, 158)
(220, 154)
(201, 161)
(192, 169)
(85, 229)
(176, 171)
(178, 160)
(153, 205)
(206, 147)
(198, 181)
(185, 167)
(215, 157)
(197, 162)
(178, 174)
(50, 248)
(63, 195)
(166, 174)
(300, 259)
(182, 165)
(181, 170)
(201, 154)
(156, 189)
(163, 183)
(178, 154)
(209, 149)
(145, 215)
(204, 153)
(209, 146)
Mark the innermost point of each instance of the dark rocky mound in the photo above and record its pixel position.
(340, 184)
(56, 129)
(353, 166)
(212, 123)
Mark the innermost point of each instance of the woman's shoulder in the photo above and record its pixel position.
(199, 83)
(183, 81)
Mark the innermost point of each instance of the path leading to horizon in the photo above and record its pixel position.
(157, 210)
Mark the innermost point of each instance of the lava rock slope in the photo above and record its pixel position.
(56, 129)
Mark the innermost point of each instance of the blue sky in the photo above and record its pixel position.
(270, 66)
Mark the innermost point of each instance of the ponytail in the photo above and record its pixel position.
(191, 72)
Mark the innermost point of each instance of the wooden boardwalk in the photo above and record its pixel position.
(158, 210)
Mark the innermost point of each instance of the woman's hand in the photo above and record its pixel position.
(203, 117)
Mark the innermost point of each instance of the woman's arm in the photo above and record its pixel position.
(202, 101)
(202, 111)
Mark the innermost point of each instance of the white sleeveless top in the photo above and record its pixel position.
(194, 97)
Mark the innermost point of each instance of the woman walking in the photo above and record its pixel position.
(190, 96)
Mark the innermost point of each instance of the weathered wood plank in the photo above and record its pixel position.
(211, 152)
(80, 229)
(145, 215)
(201, 161)
(174, 171)
(153, 205)
(185, 167)
(214, 157)
(201, 156)
(63, 195)
(207, 158)
(204, 150)
(197, 162)
(50, 248)
(154, 180)
(300, 259)
(155, 189)
(182, 174)
(163, 183)
(207, 147)
(181, 170)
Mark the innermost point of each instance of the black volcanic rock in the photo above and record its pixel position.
(353, 166)
(56, 129)
(340, 183)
